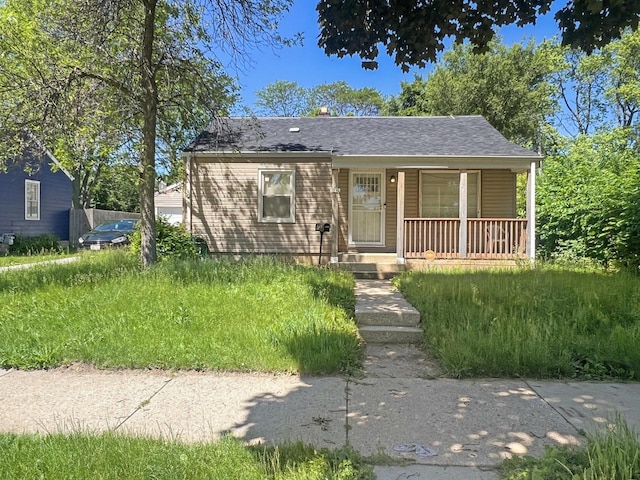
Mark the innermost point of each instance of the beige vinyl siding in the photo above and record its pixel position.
(391, 210)
(224, 207)
(412, 195)
(498, 194)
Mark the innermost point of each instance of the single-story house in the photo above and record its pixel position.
(168, 203)
(416, 187)
(35, 196)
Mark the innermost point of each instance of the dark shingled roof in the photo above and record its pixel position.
(409, 136)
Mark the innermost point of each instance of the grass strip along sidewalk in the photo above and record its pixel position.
(254, 315)
(109, 456)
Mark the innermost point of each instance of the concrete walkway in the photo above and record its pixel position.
(23, 266)
(471, 424)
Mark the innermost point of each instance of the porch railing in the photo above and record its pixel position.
(487, 238)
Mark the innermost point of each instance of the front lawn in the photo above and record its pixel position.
(256, 315)
(541, 323)
(109, 456)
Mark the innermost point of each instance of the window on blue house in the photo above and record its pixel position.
(31, 200)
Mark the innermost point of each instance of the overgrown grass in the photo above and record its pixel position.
(109, 456)
(543, 323)
(610, 455)
(256, 315)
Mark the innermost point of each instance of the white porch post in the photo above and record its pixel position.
(462, 202)
(531, 211)
(335, 217)
(400, 219)
(187, 194)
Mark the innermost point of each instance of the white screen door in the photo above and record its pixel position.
(367, 206)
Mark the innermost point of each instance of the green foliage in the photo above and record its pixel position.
(116, 188)
(415, 32)
(35, 245)
(254, 315)
(342, 100)
(600, 91)
(172, 241)
(612, 454)
(283, 99)
(506, 85)
(589, 197)
(112, 456)
(288, 99)
(546, 322)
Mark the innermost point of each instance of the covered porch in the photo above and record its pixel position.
(435, 213)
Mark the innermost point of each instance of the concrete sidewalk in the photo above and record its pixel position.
(24, 266)
(469, 423)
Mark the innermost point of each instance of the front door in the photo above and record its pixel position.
(366, 226)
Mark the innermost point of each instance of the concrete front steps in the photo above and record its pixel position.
(370, 266)
(384, 316)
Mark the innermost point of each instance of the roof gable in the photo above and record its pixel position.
(463, 136)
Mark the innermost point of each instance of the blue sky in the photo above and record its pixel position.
(309, 66)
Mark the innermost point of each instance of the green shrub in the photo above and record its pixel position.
(588, 201)
(171, 241)
(35, 245)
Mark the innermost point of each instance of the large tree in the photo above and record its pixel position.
(288, 99)
(414, 31)
(157, 57)
(600, 91)
(509, 86)
(283, 99)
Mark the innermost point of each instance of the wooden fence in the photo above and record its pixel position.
(83, 220)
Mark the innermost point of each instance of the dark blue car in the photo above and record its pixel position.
(115, 233)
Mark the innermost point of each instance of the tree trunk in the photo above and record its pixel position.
(148, 152)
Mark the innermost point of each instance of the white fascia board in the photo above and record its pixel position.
(434, 162)
(282, 156)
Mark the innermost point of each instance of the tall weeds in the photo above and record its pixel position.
(531, 322)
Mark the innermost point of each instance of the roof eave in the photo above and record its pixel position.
(435, 161)
(253, 154)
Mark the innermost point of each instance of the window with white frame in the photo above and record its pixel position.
(440, 194)
(31, 200)
(276, 196)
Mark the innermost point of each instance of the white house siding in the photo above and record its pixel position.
(168, 203)
(223, 200)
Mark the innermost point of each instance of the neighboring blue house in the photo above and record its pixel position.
(35, 200)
